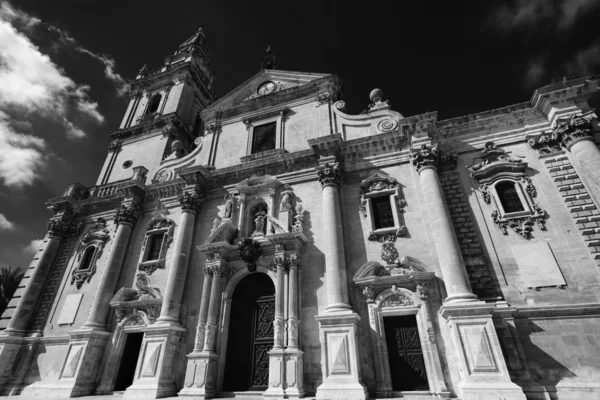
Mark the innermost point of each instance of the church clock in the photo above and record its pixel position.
(267, 87)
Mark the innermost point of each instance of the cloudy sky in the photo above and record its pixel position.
(64, 67)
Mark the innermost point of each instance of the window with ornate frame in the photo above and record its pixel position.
(259, 128)
(90, 249)
(504, 184)
(159, 235)
(383, 206)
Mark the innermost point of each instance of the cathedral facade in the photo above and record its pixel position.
(270, 244)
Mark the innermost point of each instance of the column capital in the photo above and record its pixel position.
(426, 157)
(190, 202)
(128, 214)
(567, 131)
(279, 262)
(294, 261)
(63, 226)
(329, 174)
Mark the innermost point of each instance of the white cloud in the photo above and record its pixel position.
(544, 14)
(32, 85)
(34, 246)
(109, 70)
(535, 72)
(585, 62)
(5, 224)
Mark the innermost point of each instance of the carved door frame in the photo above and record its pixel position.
(117, 346)
(402, 302)
(223, 332)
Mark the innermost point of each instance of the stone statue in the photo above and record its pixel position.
(259, 222)
(228, 206)
(286, 198)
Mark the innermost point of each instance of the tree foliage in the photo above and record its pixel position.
(9, 281)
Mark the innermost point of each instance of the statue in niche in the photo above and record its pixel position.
(228, 206)
(286, 198)
(260, 222)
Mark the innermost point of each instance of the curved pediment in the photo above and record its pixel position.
(377, 182)
(494, 161)
(408, 270)
(226, 231)
(258, 184)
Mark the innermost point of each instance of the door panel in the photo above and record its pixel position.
(407, 365)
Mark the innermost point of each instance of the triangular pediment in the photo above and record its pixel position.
(283, 81)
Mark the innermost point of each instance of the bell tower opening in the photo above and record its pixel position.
(250, 334)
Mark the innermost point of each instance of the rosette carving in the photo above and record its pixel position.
(387, 125)
(128, 214)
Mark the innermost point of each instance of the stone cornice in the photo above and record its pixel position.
(165, 124)
(329, 83)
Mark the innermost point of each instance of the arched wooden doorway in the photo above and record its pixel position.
(250, 334)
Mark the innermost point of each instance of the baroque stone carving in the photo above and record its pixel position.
(228, 210)
(162, 227)
(396, 300)
(299, 217)
(389, 253)
(190, 202)
(369, 293)
(63, 227)
(485, 193)
(329, 174)
(286, 198)
(128, 214)
(523, 226)
(93, 241)
(566, 131)
(250, 251)
(427, 156)
(387, 125)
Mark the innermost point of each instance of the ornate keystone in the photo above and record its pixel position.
(190, 202)
(250, 251)
(426, 157)
(128, 214)
(329, 174)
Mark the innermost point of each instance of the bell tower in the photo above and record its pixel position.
(164, 106)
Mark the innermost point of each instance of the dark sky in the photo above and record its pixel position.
(452, 57)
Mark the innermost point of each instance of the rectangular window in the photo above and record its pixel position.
(155, 247)
(382, 212)
(263, 137)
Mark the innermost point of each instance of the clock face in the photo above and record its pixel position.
(267, 87)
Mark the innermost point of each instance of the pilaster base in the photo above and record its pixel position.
(200, 376)
(10, 347)
(154, 375)
(80, 368)
(339, 358)
(482, 368)
(294, 373)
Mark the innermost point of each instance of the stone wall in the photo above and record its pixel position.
(484, 285)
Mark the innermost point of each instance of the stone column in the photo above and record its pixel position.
(577, 136)
(271, 211)
(57, 230)
(202, 370)
(335, 262)
(203, 312)
(293, 311)
(214, 309)
(242, 213)
(171, 305)
(450, 258)
(342, 377)
(126, 218)
(278, 322)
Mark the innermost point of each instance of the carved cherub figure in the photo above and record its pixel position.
(286, 198)
(259, 222)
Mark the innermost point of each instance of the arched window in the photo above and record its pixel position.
(509, 198)
(86, 260)
(154, 103)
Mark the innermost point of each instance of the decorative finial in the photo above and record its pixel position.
(268, 61)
